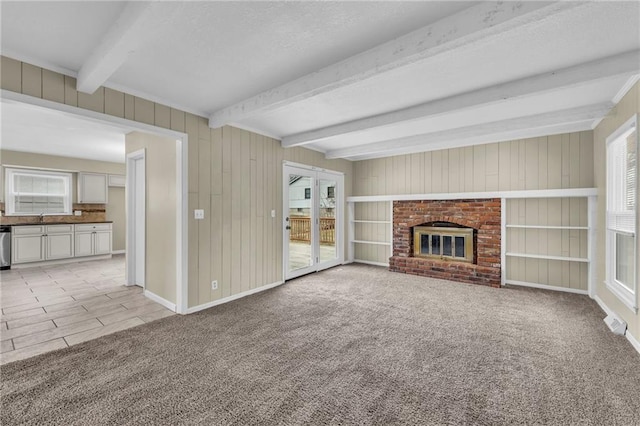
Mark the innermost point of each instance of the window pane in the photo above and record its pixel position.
(447, 248)
(435, 244)
(424, 243)
(624, 260)
(459, 246)
(631, 172)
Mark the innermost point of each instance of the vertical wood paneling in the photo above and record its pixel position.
(11, 75)
(113, 102)
(32, 80)
(52, 86)
(557, 161)
(94, 101)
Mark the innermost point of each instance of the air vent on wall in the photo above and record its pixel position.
(615, 324)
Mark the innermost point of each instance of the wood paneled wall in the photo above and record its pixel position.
(550, 162)
(234, 175)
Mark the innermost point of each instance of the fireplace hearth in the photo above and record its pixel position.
(457, 240)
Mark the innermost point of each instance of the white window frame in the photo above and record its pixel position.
(10, 196)
(626, 295)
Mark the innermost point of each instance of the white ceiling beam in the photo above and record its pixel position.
(515, 128)
(122, 39)
(462, 29)
(613, 66)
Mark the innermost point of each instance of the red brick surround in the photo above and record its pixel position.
(481, 214)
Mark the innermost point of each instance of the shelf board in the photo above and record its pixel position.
(548, 227)
(380, 243)
(548, 257)
(371, 221)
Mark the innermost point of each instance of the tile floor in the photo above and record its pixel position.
(48, 308)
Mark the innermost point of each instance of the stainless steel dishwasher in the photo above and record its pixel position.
(5, 247)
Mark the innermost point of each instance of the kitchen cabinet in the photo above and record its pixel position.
(38, 243)
(117, 180)
(93, 239)
(92, 188)
(41, 242)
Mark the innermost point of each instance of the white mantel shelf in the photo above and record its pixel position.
(541, 193)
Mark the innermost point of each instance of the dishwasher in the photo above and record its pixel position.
(5, 247)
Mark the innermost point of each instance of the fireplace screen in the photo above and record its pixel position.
(443, 243)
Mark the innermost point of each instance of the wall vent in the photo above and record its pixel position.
(616, 325)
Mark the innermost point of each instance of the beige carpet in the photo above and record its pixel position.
(351, 345)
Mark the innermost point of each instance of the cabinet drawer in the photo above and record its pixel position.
(59, 229)
(27, 230)
(93, 227)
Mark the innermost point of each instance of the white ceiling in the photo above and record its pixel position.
(352, 79)
(29, 128)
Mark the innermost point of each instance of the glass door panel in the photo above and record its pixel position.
(299, 218)
(327, 214)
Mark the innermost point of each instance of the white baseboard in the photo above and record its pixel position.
(60, 261)
(546, 287)
(369, 262)
(634, 342)
(164, 302)
(233, 297)
(118, 251)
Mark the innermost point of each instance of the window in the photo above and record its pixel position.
(307, 193)
(331, 192)
(622, 200)
(35, 192)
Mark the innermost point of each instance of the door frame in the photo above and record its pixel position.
(131, 217)
(315, 203)
(182, 177)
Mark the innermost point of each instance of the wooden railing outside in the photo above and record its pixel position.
(301, 229)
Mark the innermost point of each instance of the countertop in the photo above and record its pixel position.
(56, 223)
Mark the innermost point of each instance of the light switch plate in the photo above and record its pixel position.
(198, 214)
(273, 213)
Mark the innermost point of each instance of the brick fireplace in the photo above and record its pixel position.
(483, 216)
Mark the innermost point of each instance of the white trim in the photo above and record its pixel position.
(161, 300)
(625, 89)
(60, 261)
(604, 307)
(539, 193)
(635, 343)
(182, 139)
(131, 215)
(546, 287)
(627, 299)
(583, 228)
(547, 257)
(592, 214)
(370, 262)
(232, 297)
(312, 168)
(379, 243)
(118, 251)
(503, 241)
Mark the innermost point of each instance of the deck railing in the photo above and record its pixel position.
(301, 229)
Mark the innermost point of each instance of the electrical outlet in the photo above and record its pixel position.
(198, 214)
(214, 285)
(273, 213)
(77, 212)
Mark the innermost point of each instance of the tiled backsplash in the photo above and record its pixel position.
(90, 213)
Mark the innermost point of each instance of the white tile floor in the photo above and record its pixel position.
(48, 308)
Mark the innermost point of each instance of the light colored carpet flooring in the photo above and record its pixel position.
(351, 345)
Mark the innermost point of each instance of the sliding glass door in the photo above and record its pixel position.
(312, 220)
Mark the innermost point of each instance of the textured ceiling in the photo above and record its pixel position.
(211, 57)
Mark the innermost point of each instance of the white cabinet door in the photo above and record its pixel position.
(102, 242)
(27, 248)
(92, 188)
(59, 246)
(84, 244)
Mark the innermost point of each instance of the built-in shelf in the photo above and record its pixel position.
(548, 227)
(380, 243)
(371, 221)
(548, 257)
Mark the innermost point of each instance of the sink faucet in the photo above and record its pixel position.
(41, 217)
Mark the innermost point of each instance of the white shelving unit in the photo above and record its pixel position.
(585, 193)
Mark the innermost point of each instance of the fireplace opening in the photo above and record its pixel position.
(445, 241)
